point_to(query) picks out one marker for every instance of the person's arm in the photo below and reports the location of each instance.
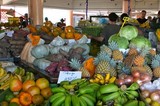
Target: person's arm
(98, 38)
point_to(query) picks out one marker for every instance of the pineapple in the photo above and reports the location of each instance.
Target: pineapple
(116, 54)
(123, 69)
(133, 50)
(148, 70)
(106, 49)
(139, 68)
(75, 64)
(105, 64)
(156, 65)
(140, 58)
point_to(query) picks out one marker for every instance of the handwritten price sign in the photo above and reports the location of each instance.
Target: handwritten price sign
(69, 75)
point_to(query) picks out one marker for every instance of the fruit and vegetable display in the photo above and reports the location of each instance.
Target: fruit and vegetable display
(123, 73)
(30, 92)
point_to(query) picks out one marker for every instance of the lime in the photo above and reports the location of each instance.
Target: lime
(13, 104)
(9, 96)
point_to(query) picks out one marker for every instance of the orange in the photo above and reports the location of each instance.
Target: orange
(28, 84)
(42, 83)
(15, 85)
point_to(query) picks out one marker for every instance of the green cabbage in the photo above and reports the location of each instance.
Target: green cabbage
(140, 42)
(121, 41)
(129, 32)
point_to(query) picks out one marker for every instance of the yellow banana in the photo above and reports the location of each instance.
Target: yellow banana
(107, 77)
(112, 79)
(91, 80)
(2, 72)
(99, 76)
(96, 80)
(16, 76)
(102, 81)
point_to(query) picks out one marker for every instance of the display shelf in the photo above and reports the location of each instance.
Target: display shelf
(38, 72)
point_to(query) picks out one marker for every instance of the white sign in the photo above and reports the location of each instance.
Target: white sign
(69, 75)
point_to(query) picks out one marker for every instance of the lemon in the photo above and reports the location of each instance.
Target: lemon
(154, 103)
(148, 100)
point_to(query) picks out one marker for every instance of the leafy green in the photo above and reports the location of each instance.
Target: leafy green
(140, 42)
(121, 41)
(129, 32)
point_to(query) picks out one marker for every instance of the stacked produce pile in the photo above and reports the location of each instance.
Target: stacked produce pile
(31, 92)
(18, 41)
(10, 72)
(5, 51)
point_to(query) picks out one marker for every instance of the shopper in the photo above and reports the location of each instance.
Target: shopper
(142, 19)
(108, 30)
(22, 23)
(61, 24)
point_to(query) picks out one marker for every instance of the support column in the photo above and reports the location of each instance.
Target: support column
(127, 6)
(35, 8)
(71, 17)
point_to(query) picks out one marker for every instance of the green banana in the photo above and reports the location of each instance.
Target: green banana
(64, 82)
(55, 96)
(130, 96)
(110, 96)
(82, 102)
(59, 101)
(76, 81)
(134, 93)
(141, 103)
(109, 88)
(84, 84)
(131, 103)
(95, 86)
(75, 100)
(98, 94)
(58, 89)
(68, 100)
(69, 86)
(90, 97)
(86, 90)
(133, 86)
(87, 100)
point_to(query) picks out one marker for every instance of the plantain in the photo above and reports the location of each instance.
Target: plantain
(111, 96)
(134, 93)
(69, 86)
(76, 81)
(92, 98)
(109, 88)
(58, 89)
(88, 101)
(86, 90)
(64, 82)
(55, 96)
(68, 100)
(58, 101)
(83, 84)
(75, 100)
(82, 102)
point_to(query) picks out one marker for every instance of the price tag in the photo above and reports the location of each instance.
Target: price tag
(69, 75)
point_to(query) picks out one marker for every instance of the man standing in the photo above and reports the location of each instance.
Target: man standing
(142, 19)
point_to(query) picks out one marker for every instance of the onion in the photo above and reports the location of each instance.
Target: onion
(119, 82)
(128, 79)
(145, 77)
(145, 93)
(136, 73)
(154, 96)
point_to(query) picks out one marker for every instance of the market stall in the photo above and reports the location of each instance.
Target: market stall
(57, 67)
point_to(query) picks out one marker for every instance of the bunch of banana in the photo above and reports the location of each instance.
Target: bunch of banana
(28, 76)
(84, 96)
(111, 93)
(20, 71)
(99, 78)
(4, 82)
(2, 72)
